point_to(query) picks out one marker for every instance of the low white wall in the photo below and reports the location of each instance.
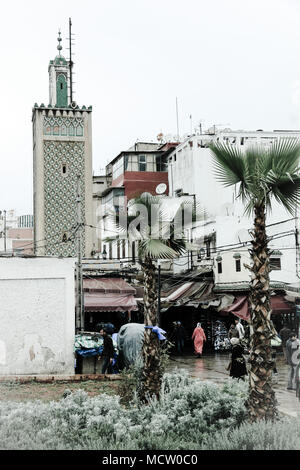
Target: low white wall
(37, 316)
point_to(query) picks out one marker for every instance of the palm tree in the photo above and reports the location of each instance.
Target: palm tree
(168, 243)
(263, 174)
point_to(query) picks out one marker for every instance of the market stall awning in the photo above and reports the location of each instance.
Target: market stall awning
(280, 305)
(97, 302)
(190, 294)
(179, 292)
(107, 285)
(240, 306)
(108, 295)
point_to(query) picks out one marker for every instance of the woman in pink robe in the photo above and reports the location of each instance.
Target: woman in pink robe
(198, 337)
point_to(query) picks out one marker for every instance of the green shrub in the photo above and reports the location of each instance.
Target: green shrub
(281, 435)
(130, 385)
(190, 415)
(189, 410)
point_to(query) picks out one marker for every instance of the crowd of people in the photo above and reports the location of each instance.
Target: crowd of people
(239, 337)
(286, 338)
(178, 336)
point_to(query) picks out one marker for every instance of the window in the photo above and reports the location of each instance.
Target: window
(126, 161)
(118, 249)
(64, 169)
(201, 254)
(118, 168)
(160, 164)
(207, 243)
(220, 267)
(123, 249)
(238, 265)
(133, 252)
(65, 237)
(142, 163)
(275, 264)
(110, 250)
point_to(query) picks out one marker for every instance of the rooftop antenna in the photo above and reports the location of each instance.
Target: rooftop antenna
(71, 63)
(191, 122)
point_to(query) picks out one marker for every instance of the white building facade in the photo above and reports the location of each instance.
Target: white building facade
(224, 232)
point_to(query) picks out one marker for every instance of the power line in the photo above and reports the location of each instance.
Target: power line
(214, 249)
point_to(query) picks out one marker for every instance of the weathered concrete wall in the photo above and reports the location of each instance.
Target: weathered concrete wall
(37, 306)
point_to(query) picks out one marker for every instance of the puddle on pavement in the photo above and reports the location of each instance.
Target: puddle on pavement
(213, 367)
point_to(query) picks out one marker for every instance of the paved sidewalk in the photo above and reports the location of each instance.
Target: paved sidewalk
(213, 368)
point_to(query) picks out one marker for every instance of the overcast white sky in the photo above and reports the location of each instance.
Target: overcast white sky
(231, 62)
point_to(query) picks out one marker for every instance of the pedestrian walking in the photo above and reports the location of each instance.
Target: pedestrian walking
(107, 353)
(284, 334)
(275, 343)
(233, 332)
(237, 366)
(240, 329)
(198, 337)
(293, 358)
(179, 335)
(297, 380)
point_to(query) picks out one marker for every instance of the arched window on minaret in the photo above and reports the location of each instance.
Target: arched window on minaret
(61, 91)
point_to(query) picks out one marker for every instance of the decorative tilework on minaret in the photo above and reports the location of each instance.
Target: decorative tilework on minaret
(62, 150)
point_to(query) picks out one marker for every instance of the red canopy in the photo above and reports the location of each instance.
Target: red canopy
(107, 285)
(239, 307)
(97, 302)
(104, 295)
(241, 310)
(280, 305)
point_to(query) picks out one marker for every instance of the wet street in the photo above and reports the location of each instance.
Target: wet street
(213, 368)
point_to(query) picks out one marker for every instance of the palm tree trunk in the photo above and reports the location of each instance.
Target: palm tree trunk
(152, 374)
(262, 401)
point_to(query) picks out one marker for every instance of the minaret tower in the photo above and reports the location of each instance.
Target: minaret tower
(62, 152)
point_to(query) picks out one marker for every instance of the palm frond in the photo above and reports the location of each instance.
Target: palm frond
(287, 192)
(283, 156)
(263, 173)
(155, 249)
(228, 161)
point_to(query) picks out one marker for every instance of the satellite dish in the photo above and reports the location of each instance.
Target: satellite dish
(161, 188)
